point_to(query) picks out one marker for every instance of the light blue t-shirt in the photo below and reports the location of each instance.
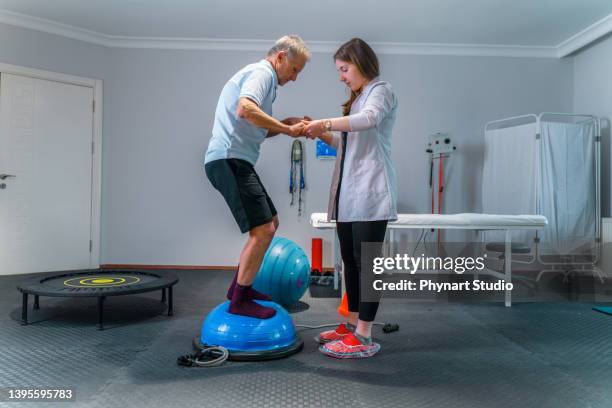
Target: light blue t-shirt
(233, 137)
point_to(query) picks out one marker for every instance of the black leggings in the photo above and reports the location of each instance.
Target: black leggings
(351, 235)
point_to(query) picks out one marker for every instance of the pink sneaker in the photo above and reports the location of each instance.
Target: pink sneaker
(338, 333)
(349, 347)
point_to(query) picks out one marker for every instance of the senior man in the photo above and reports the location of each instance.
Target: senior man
(243, 120)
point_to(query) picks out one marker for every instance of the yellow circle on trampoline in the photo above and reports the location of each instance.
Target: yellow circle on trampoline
(101, 281)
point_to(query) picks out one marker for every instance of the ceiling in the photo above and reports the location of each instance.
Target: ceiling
(524, 23)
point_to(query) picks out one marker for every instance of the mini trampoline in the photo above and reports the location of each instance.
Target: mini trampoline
(96, 283)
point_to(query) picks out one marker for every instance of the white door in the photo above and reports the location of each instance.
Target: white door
(46, 130)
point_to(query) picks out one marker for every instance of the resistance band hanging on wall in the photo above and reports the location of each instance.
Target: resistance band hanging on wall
(297, 160)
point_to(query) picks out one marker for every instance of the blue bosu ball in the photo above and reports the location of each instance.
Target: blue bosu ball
(284, 272)
(249, 338)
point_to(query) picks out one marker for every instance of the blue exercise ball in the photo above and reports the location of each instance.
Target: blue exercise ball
(284, 272)
(248, 336)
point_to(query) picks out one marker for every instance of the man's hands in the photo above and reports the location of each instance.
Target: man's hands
(314, 129)
(293, 120)
(311, 129)
(296, 130)
(297, 126)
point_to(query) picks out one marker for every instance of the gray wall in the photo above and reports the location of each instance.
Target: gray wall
(159, 209)
(593, 95)
(33, 49)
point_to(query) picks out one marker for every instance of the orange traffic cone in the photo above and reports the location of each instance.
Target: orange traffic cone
(343, 308)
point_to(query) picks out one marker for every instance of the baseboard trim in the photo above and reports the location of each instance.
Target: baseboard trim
(157, 267)
(178, 267)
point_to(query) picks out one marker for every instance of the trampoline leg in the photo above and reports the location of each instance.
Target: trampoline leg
(24, 309)
(36, 304)
(163, 295)
(100, 312)
(170, 312)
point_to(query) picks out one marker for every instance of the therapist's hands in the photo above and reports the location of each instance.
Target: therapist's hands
(314, 129)
(296, 125)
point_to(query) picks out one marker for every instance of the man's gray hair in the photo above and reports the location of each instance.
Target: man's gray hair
(293, 45)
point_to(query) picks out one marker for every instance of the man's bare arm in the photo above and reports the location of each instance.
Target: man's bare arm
(249, 111)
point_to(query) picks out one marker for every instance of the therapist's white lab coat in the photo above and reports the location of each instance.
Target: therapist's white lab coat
(368, 191)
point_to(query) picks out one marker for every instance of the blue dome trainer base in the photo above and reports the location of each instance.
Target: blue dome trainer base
(248, 338)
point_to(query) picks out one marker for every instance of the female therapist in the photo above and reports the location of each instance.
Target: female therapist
(363, 191)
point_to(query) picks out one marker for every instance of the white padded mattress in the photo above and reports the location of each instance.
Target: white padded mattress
(452, 221)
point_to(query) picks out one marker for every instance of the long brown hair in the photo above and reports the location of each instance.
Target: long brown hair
(359, 53)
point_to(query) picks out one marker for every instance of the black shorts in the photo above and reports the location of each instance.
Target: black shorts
(243, 191)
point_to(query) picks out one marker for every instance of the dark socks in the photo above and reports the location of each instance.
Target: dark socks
(243, 304)
(254, 294)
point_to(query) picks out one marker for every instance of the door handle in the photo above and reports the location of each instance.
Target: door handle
(5, 176)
